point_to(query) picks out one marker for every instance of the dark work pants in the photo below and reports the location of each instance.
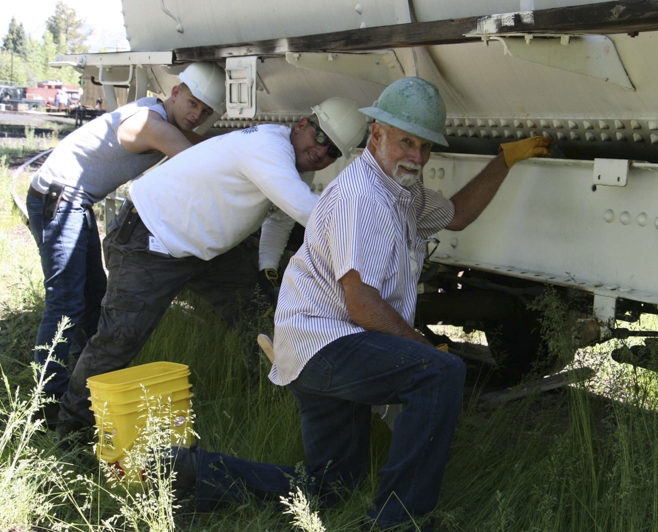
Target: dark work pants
(141, 286)
(335, 392)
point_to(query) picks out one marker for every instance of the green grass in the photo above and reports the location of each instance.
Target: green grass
(581, 459)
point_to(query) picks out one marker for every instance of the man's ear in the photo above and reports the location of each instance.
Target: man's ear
(175, 92)
(376, 134)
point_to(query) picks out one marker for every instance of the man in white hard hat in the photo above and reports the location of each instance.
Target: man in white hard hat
(344, 339)
(184, 224)
(87, 165)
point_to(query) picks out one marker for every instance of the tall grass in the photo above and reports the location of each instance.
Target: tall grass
(581, 459)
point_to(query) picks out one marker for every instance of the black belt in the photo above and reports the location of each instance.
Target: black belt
(34, 192)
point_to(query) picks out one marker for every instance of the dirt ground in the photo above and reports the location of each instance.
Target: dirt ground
(13, 124)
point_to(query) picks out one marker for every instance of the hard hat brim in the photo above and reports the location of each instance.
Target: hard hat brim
(414, 129)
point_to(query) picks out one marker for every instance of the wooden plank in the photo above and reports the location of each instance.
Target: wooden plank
(629, 16)
(542, 385)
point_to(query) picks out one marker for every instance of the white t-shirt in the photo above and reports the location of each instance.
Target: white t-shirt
(210, 197)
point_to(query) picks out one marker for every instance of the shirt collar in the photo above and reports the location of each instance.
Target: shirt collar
(392, 186)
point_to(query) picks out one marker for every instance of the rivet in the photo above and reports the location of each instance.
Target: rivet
(605, 137)
(621, 137)
(656, 223)
(625, 218)
(587, 125)
(454, 242)
(461, 133)
(495, 134)
(654, 138)
(484, 134)
(574, 136)
(653, 125)
(520, 135)
(358, 8)
(363, 25)
(547, 135)
(440, 173)
(492, 123)
(589, 136)
(508, 134)
(637, 137)
(544, 124)
(431, 173)
(625, 289)
(504, 123)
(534, 134)
(619, 124)
(557, 124)
(481, 123)
(517, 123)
(609, 216)
(472, 133)
(561, 136)
(531, 124)
(572, 125)
(458, 122)
(611, 287)
(635, 124)
(603, 125)
(468, 123)
(448, 124)
(642, 219)
(450, 132)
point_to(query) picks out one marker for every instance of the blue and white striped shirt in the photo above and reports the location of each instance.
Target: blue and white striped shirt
(364, 221)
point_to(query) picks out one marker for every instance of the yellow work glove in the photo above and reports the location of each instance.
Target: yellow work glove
(526, 148)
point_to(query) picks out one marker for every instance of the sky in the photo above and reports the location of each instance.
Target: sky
(104, 17)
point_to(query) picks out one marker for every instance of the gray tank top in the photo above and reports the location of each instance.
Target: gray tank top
(91, 162)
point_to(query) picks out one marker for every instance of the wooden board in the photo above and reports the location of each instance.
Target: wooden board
(630, 16)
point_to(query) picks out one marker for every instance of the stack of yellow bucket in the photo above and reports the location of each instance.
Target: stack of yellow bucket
(120, 406)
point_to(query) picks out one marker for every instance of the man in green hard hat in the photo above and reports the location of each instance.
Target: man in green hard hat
(344, 339)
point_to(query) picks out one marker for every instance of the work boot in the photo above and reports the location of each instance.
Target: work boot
(183, 461)
(49, 414)
(72, 432)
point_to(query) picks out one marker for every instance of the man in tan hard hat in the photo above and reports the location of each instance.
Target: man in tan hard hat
(184, 225)
(85, 167)
(344, 339)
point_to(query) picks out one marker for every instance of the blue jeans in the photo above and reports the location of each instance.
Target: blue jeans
(335, 392)
(74, 280)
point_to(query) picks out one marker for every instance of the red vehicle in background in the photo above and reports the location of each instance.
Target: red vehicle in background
(47, 91)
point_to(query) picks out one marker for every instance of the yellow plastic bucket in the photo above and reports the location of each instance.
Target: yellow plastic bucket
(120, 406)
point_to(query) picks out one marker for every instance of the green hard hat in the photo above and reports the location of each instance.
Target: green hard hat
(412, 105)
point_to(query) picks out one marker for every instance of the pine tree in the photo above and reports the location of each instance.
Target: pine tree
(67, 29)
(15, 41)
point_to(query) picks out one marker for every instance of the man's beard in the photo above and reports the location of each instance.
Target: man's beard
(399, 176)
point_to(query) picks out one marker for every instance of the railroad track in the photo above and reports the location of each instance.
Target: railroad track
(19, 199)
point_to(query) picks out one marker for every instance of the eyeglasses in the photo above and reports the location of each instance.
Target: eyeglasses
(323, 140)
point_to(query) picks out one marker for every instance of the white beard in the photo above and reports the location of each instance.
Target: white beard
(404, 179)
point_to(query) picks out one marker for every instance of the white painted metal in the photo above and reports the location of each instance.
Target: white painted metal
(235, 21)
(380, 67)
(611, 172)
(241, 87)
(547, 223)
(590, 55)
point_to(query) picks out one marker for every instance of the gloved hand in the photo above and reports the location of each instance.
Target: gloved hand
(268, 280)
(526, 148)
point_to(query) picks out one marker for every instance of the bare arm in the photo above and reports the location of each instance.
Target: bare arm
(193, 137)
(474, 197)
(147, 132)
(367, 309)
(471, 200)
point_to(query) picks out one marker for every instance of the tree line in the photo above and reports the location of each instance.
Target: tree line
(24, 60)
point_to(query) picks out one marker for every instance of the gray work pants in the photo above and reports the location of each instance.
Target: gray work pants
(141, 286)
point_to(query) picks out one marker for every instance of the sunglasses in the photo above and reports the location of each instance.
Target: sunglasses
(323, 140)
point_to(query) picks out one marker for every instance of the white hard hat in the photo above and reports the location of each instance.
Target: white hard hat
(207, 82)
(340, 119)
